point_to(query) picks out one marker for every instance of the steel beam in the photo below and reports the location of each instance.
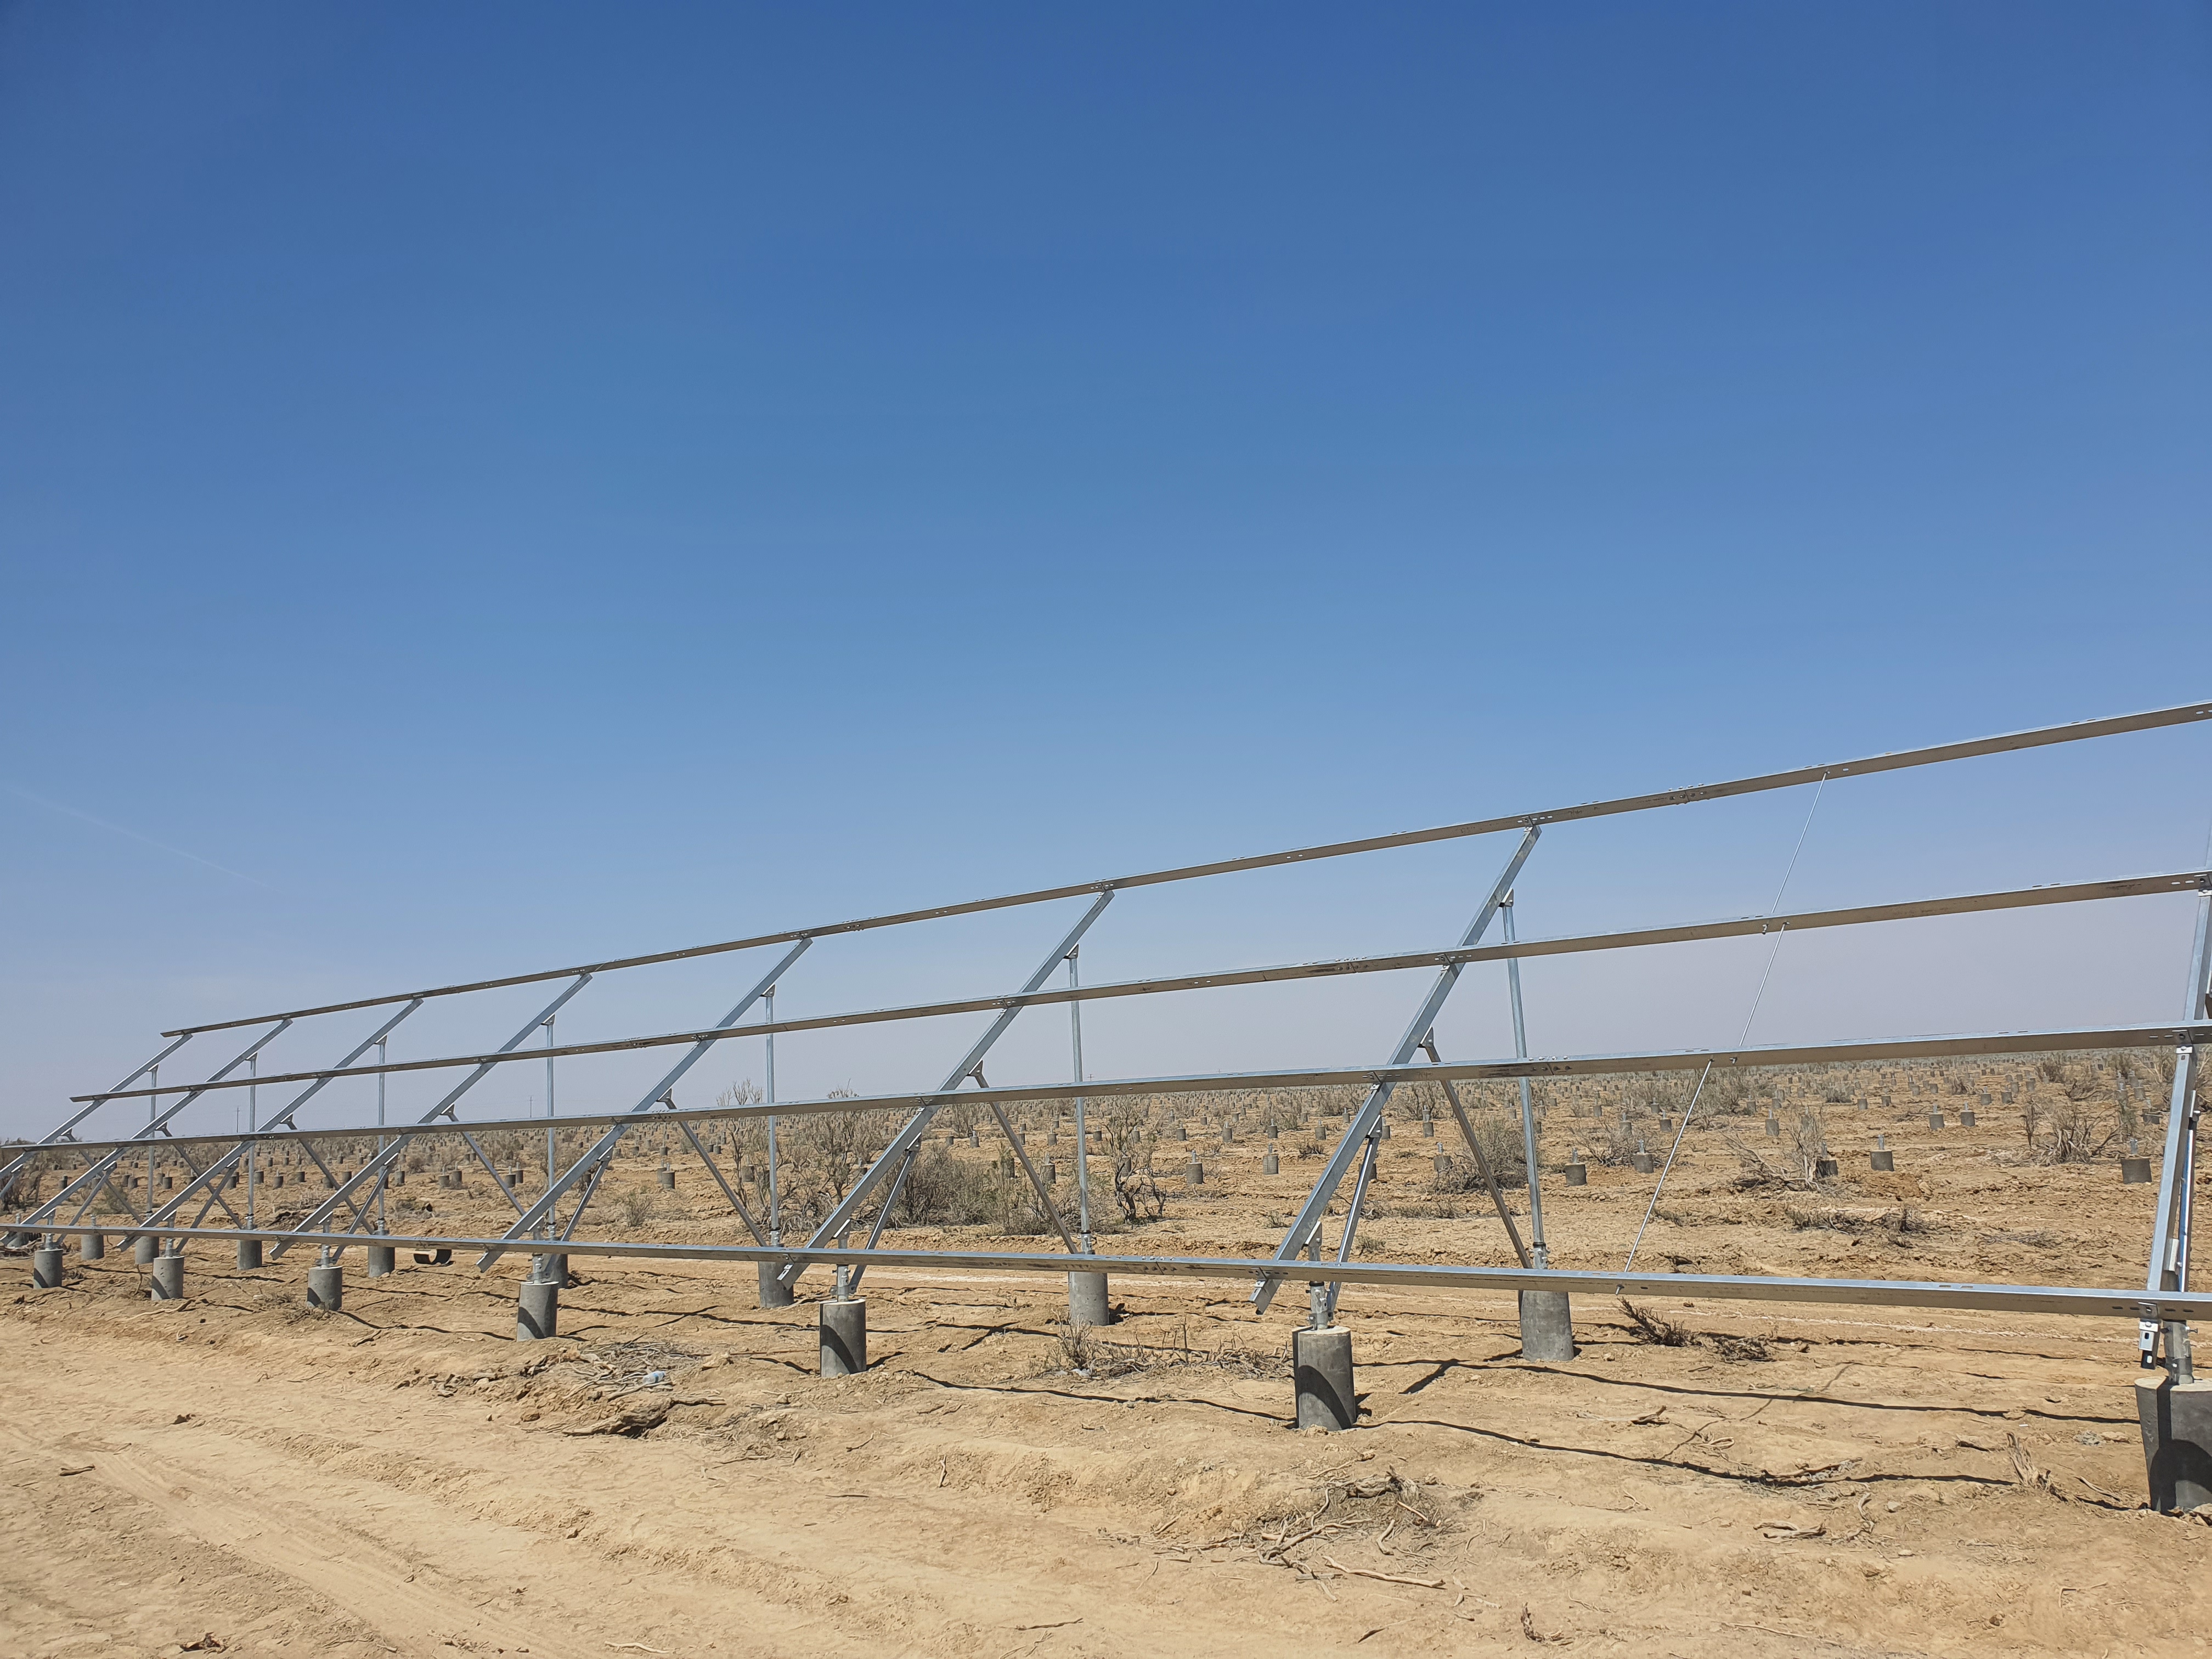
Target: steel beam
(2167, 884)
(2098, 1302)
(2061, 1040)
(2040, 737)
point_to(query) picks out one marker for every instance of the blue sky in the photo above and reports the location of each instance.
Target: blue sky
(491, 487)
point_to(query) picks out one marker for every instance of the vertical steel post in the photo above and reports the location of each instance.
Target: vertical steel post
(551, 1154)
(775, 1177)
(252, 1127)
(383, 1056)
(153, 1115)
(2169, 1258)
(1082, 1127)
(1538, 1256)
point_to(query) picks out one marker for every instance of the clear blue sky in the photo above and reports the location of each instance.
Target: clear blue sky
(485, 487)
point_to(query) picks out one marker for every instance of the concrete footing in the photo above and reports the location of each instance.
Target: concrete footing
(1321, 1367)
(1193, 1173)
(91, 1247)
(1576, 1174)
(1547, 1325)
(249, 1252)
(382, 1258)
(774, 1293)
(2134, 1171)
(145, 1248)
(1966, 1118)
(668, 1178)
(1087, 1300)
(1881, 1161)
(1642, 1163)
(326, 1287)
(538, 1309)
(2176, 1436)
(46, 1267)
(165, 1280)
(1272, 1164)
(845, 1337)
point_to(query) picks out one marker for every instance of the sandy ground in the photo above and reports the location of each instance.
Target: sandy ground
(405, 1477)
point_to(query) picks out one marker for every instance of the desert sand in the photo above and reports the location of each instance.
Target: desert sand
(405, 1477)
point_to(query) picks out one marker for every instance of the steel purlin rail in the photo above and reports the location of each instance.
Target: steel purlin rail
(2040, 737)
(2162, 1034)
(2161, 885)
(2114, 1303)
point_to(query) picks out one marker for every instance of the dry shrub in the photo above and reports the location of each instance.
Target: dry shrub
(1899, 1222)
(1499, 1137)
(1651, 1328)
(1084, 1352)
(1805, 1136)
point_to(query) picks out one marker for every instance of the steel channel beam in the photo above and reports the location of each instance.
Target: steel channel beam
(2120, 1303)
(1856, 1051)
(550, 1199)
(1361, 1124)
(2040, 737)
(910, 1133)
(2167, 884)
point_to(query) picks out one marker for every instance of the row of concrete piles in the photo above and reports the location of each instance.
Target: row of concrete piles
(2175, 1413)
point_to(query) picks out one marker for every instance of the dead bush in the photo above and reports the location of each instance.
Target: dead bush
(1659, 1332)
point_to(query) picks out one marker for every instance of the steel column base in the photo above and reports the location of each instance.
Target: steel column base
(46, 1267)
(774, 1293)
(326, 1287)
(537, 1311)
(845, 1337)
(1087, 1300)
(1320, 1366)
(91, 1247)
(1547, 1325)
(167, 1281)
(2176, 1436)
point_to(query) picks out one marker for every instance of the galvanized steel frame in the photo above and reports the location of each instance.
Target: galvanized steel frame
(2164, 1302)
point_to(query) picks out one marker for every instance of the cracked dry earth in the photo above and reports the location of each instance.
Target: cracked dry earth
(405, 1477)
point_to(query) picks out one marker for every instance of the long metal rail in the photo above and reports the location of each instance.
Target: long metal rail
(2061, 1040)
(2097, 1302)
(2165, 884)
(2040, 737)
